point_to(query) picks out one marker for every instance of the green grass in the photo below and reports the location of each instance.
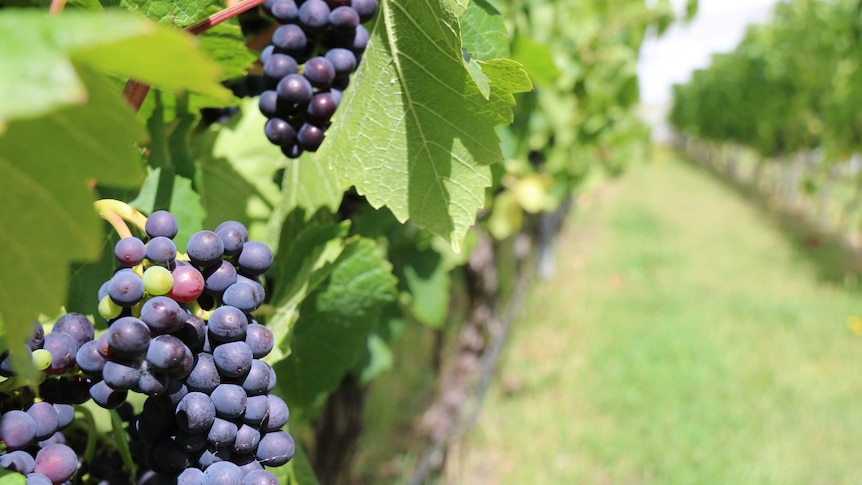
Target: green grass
(688, 337)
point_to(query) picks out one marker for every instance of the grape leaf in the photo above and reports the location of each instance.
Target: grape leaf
(537, 59)
(335, 321)
(48, 216)
(180, 13)
(225, 44)
(414, 132)
(37, 54)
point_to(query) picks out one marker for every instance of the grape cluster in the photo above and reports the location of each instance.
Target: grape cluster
(181, 331)
(318, 45)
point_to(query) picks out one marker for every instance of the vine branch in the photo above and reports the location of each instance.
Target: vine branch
(117, 213)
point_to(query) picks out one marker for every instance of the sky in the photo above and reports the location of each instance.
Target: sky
(718, 27)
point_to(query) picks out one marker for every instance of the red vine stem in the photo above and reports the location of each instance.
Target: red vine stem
(136, 92)
(56, 7)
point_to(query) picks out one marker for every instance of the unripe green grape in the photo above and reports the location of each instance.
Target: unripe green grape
(108, 309)
(158, 280)
(41, 359)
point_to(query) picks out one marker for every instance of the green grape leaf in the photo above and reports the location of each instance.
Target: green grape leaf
(238, 167)
(414, 133)
(483, 32)
(309, 183)
(225, 44)
(48, 216)
(179, 13)
(423, 277)
(334, 322)
(537, 59)
(38, 55)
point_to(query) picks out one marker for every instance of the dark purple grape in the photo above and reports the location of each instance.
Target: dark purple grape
(128, 336)
(162, 315)
(275, 449)
(205, 248)
(161, 223)
(279, 132)
(257, 380)
(191, 442)
(18, 461)
(260, 339)
(38, 478)
(321, 107)
(284, 11)
(255, 258)
(231, 236)
(234, 225)
(343, 60)
(313, 15)
(166, 353)
(37, 337)
(185, 367)
(17, 429)
(319, 72)
(290, 39)
(212, 455)
(126, 288)
(57, 462)
(279, 65)
(150, 381)
(89, 359)
(192, 332)
(166, 457)
(204, 376)
(76, 325)
(161, 251)
(46, 419)
(229, 400)
(343, 18)
(294, 89)
(191, 476)
(65, 414)
(309, 137)
(119, 376)
(291, 151)
(129, 251)
(246, 461)
(256, 410)
(63, 348)
(260, 477)
(268, 104)
(244, 296)
(278, 413)
(227, 324)
(232, 359)
(365, 8)
(247, 439)
(223, 473)
(219, 277)
(106, 397)
(222, 433)
(195, 413)
(266, 53)
(360, 41)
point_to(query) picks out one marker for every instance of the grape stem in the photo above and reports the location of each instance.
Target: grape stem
(90, 450)
(117, 213)
(136, 92)
(56, 7)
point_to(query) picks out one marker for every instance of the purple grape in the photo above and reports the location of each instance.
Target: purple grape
(284, 11)
(166, 353)
(234, 225)
(365, 8)
(63, 348)
(279, 65)
(129, 251)
(344, 18)
(222, 433)
(192, 332)
(89, 359)
(119, 376)
(321, 107)
(161, 223)
(360, 41)
(260, 477)
(18, 461)
(65, 415)
(128, 336)
(77, 326)
(256, 410)
(310, 137)
(161, 251)
(227, 324)
(294, 89)
(195, 413)
(313, 15)
(106, 397)
(162, 315)
(246, 440)
(205, 248)
(319, 71)
(291, 151)
(191, 476)
(343, 60)
(46, 418)
(275, 449)
(278, 413)
(126, 288)
(232, 359)
(204, 376)
(223, 473)
(38, 478)
(290, 39)
(279, 132)
(256, 382)
(232, 236)
(17, 429)
(150, 381)
(255, 258)
(191, 442)
(229, 400)
(260, 339)
(266, 53)
(188, 283)
(244, 296)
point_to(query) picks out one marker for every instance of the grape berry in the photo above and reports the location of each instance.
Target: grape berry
(308, 66)
(180, 332)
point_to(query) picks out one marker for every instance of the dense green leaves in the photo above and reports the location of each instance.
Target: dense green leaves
(411, 137)
(334, 323)
(44, 49)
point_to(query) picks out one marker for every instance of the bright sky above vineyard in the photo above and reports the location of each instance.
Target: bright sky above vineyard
(718, 27)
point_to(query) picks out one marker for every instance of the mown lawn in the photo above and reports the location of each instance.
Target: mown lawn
(686, 338)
